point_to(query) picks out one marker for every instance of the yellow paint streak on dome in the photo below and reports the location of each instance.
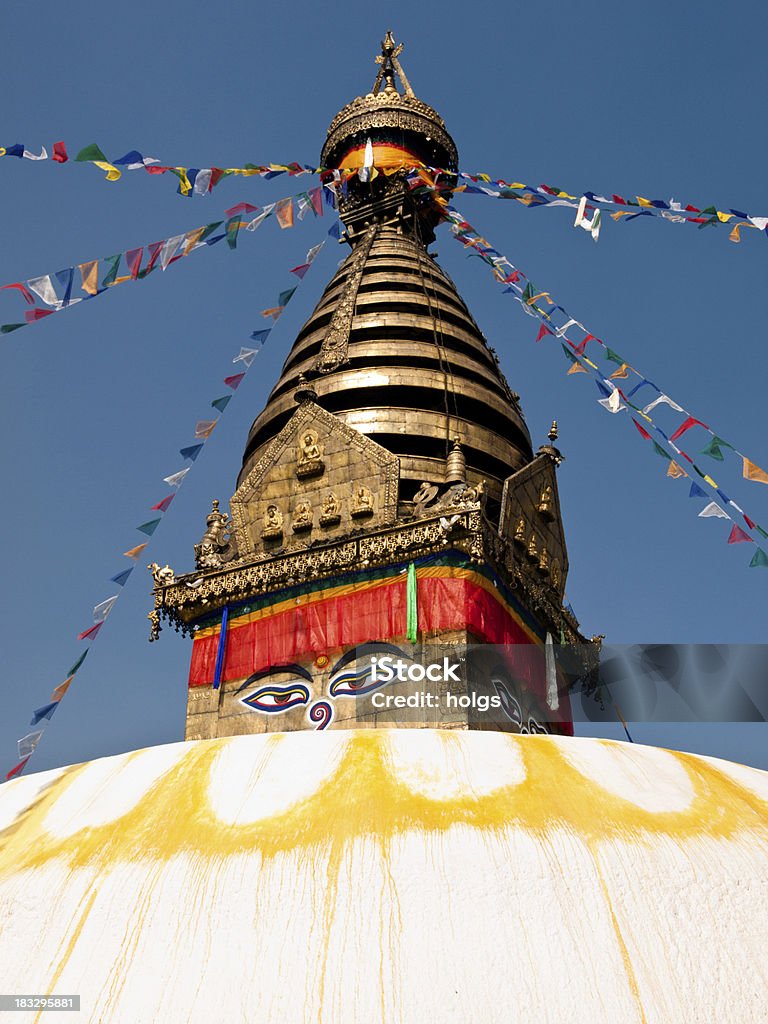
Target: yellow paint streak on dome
(364, 797)
(73, 939)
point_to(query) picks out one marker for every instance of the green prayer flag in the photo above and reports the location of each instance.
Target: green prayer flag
(759, 559)
(221, 403)
(91, 152)
(528, 293)
(285, 297)
(569, 354)
(78, 663)
(713, 449)
(412, 605)
(614, 358)
(112, 272)
(149, 528)
(209, 229)
(8, 328)
(660, 451)
(232, 228)
(761, 531)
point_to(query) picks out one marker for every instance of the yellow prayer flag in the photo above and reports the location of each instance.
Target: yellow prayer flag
(710, 481)
(621, 372)
(112, 172)
(576, 368)
(724, 217)
(619, 214)
(185, 186)
(644, 202)
(61, 689)
(191, 239)
(675, 471)
(590, 363)
(135, 553)
(89, 272)
(753, 472)
(284, 212)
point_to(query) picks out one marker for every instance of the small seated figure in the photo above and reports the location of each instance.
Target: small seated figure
(302, 517)
(331, 510)
(533, 553)
(545, 503)
(362, 503)
(309, 461)
(520, 532)
(273, 522)
(543, 566)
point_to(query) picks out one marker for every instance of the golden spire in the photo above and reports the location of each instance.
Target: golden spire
(389, 66)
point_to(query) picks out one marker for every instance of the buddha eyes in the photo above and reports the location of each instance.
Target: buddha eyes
(278, 698)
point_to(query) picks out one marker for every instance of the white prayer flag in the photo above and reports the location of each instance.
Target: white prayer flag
(246, 356)
(667, 401)
(713, 509)
(102, 610)
(28, 743)
(31, 156)
(260, 218)
(169, 249)
(175, 479)
(43, 286)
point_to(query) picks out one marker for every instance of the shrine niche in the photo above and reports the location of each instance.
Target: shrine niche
(530, 517)
(319, 479)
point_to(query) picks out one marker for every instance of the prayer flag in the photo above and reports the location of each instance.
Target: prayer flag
(696, 491)
(260, 336)
(736, 536)
(28, 743)
(260, 218)
(623, 371)
(221, 403)
(169, 249)
(667, 401)
(686, 425)
(90, 153)
(134, 553)
(713, 449)
(175, 479)
(713, 509)
(613, 404)
(335, 229)
(675, 471)
(77, 664)
(43, 286)
(9, 328)
(149, 527)
(162, 506)
(300, 271)
(28, 297)
(285, 297)
(234, 381)
(89, 634)
(62, 688)
(121, 578)
(246, 356)
(753, 472)
(89, 274)
(46, 711)
(643, 432)
(311, 253)
(231, 228)
(60, 153)
(133, 260)
(758, 559)
(284, 212)
(191, 452)
(17, 769)
(543, 331)
(275, 312)
(111, 275)
(240, 208)
(204, 428)
(103, 608)
(661, 451)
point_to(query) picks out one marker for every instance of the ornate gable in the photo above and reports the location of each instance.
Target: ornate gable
(530, 516)
(318, 480)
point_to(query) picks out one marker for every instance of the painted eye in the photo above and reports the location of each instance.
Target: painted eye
(277, 698)
(354, 682)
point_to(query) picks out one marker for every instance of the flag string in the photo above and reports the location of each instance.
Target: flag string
(28, 744)
(616, 399)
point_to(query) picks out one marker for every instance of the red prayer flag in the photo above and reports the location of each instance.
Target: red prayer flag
(37, 314)
(301, 270)
(643, 432)
(234, 381)
(28, 296)
(690, 422)
(543, 331)
(18, 769)
(513, 278)
(618, 199)
(154, 252)
(580, 348)
(737, 535)
(89, 634)
(748, 521)
(240, 208)
(156, 169)
(216, 173)
(693, 209)
(316, 197)
(133, 259)
(60, 153)
(162, 506)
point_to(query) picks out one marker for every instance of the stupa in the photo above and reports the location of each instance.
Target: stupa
(302, 856)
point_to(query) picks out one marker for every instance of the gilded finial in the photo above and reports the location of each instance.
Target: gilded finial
(552, 435)
(389, 66)
(304, 391)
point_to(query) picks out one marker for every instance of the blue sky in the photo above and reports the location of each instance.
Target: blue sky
(660, 100)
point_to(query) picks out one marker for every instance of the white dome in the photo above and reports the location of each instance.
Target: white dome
(390, 876)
